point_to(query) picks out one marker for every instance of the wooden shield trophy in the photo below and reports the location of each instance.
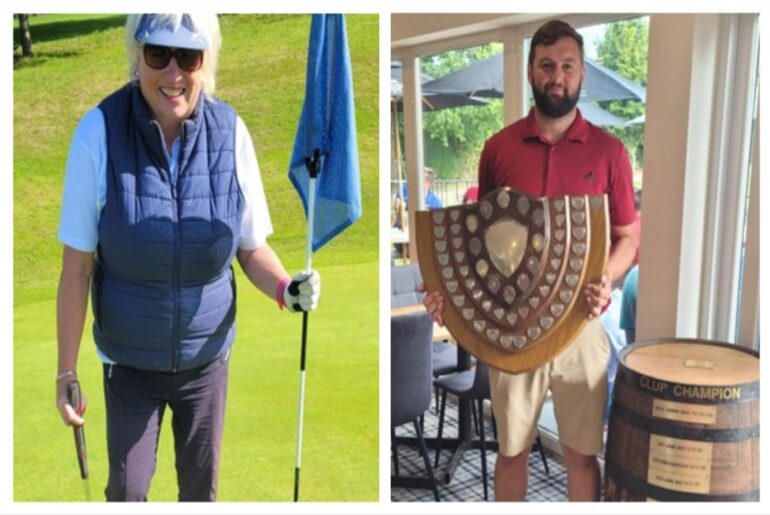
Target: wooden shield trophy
(512, 269)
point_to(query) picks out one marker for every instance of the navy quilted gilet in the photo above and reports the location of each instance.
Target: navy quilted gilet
(163, 291)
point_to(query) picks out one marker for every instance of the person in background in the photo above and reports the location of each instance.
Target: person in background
(471, 195)
(638, 221)
(631, 282)
(398, 226)
(432, 201)
(399, 213)
(616, 337)
(628, 309)
(619, 321)
(162, 192)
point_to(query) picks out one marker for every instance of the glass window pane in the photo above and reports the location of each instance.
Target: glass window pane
(399, 233)
(462, 107)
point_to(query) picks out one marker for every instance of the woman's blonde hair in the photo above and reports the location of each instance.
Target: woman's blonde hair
(205, 24)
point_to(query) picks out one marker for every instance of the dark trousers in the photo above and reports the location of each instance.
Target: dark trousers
(136, 401)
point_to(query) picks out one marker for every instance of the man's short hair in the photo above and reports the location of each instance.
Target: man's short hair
(550, 33)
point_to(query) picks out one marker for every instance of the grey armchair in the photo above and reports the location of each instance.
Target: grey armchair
(403, 292)
(403, 286)
(411, 380)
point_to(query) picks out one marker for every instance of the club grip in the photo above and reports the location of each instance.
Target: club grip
(75, 400)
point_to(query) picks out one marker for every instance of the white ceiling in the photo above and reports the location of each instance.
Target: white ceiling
(410, 29)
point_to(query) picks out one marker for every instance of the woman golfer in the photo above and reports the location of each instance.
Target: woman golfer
(162, 191)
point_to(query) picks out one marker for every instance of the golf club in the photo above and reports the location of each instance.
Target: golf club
(75, 400)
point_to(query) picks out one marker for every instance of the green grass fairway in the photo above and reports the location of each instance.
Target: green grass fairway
(340, 439)
(79, 60)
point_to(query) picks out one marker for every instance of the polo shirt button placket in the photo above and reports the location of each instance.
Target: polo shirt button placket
(551, 173)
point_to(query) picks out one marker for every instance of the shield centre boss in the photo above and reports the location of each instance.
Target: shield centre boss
(512, 269)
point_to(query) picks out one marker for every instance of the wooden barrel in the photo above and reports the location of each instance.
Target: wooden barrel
(684, 423)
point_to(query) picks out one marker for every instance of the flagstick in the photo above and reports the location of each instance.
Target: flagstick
(312, 166)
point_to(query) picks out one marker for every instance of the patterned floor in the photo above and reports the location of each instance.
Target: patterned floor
(466, 484)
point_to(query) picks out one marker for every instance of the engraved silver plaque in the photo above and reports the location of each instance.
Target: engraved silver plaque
(537, 242)
(474, 245)
(503, 200)
(506, 242)
(486, 209)
(482, 267)
(472, 223)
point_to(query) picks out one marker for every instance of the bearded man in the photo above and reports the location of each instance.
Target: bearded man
(555, 151)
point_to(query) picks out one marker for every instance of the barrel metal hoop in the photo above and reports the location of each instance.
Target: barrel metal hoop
(640, 488)
(654, 426)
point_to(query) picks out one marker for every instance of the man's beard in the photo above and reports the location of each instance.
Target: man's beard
(555, 107)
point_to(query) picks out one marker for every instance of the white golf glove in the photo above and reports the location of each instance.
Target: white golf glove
(302, 292)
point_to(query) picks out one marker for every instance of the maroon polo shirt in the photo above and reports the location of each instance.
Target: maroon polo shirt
(585, 161)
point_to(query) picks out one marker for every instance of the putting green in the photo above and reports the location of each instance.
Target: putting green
(340, 451)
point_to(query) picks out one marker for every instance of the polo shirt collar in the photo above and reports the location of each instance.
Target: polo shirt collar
(578, 131)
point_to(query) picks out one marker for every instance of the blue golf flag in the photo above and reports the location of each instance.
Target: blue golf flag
(327, 129)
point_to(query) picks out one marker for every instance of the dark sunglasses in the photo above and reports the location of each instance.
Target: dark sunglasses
(158, 57)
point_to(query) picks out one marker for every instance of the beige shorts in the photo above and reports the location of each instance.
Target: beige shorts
(577, 379)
